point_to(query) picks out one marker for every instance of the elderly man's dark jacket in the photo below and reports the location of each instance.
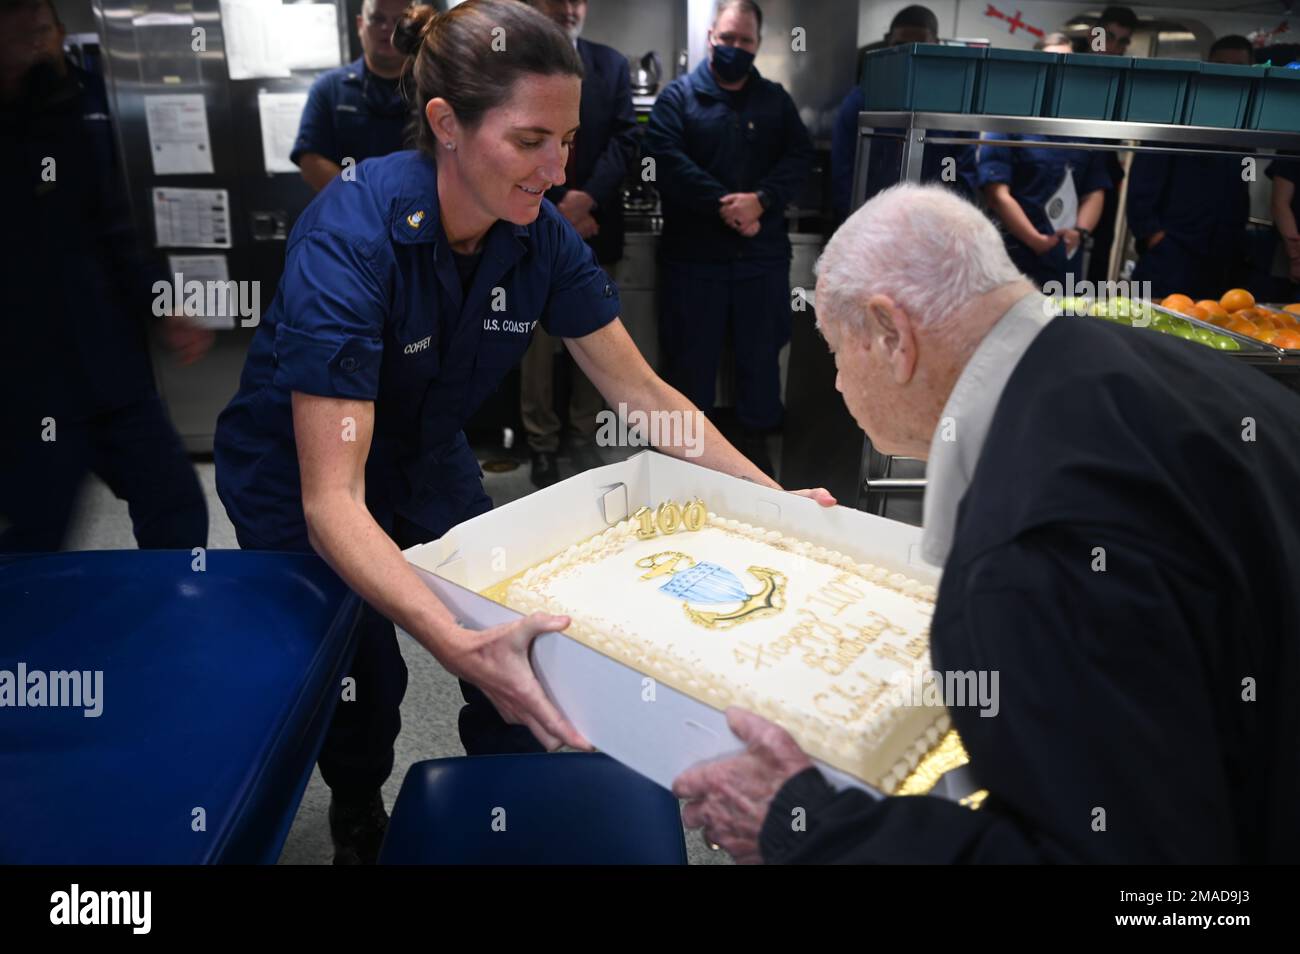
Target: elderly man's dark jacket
(1148, 703)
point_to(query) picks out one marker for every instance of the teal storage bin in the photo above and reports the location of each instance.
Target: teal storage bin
(1155, 90)
(1219, 95)
(1012, 82)
(921, 77)
(1086, 86)
(1276, 104)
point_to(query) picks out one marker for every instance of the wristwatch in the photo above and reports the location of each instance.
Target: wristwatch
(1085, 236)
(764, 199)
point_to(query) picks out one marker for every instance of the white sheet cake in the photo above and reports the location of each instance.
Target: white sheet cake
(733, 614)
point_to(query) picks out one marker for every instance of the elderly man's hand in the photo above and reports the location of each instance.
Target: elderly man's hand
(730, 798)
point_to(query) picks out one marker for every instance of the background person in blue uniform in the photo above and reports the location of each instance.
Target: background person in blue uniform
(1164, 689)
(1285, 202)
(915, 24)
(1020, 184)
(1189, 213)
(355, 111)
(592, 200)
(77, 393)
(730, 153)
(346, 434)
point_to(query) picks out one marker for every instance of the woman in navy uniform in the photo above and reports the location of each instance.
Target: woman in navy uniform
(407, 295)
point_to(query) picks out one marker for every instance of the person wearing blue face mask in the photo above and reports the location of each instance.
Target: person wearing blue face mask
(730, 153)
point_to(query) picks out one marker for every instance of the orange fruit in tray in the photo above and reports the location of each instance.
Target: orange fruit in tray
(1236, 299)
(1178, 303)
(1197, 312)
(1294, 309)
(1271, 319)
(1212, 307)
(1242, 326)
(1289, 339)
(1266, 335)
(1246, 313)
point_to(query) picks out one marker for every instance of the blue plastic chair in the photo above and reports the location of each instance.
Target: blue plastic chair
(217, 689)
(574, 808)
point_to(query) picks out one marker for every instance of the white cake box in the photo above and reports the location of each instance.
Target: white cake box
(604, 698)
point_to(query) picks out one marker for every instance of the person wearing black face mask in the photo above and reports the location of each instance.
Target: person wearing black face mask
(730, 153)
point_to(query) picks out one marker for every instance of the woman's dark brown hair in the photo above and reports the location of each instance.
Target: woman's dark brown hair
(472, 55)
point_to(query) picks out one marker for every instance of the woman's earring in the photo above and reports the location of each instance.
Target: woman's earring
(451, 146)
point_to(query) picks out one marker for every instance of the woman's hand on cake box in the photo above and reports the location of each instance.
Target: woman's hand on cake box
(496, 660)
(730, 798)
(819, 494)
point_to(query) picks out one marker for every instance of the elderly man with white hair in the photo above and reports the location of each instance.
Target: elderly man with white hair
(1117, 515)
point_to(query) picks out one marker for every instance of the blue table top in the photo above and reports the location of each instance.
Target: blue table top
(217, 687)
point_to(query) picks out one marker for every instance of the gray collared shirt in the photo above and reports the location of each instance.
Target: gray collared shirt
(964, 425)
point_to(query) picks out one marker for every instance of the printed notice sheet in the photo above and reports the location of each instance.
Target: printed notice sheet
(191, 218)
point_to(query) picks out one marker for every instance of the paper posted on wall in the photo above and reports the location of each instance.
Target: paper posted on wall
(280, 114)
(191, 218)
(178, 134)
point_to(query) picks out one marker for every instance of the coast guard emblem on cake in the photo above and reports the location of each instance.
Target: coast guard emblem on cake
(713, 583)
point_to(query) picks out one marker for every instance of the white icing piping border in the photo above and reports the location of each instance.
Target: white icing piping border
(835, 745)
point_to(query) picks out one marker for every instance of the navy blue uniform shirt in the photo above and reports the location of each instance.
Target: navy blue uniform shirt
(1203, 206)
(1201, 200)
(371, 307)
(706, 143)
(1034, 174)
(606, 143)
(353, 113)
(1288, 168)
(887, 157)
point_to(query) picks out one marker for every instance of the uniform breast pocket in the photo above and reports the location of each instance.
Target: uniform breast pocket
(352, 129)
(409, 372)
(499, 351)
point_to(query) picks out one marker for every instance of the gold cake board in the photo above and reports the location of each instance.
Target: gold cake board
(947, 754)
